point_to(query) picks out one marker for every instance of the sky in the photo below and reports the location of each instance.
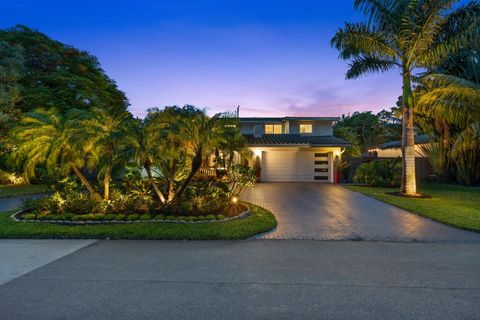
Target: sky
(271, 57)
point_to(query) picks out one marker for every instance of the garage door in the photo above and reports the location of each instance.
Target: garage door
(295, 166)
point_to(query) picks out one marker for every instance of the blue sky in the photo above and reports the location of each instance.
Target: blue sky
(269, 57)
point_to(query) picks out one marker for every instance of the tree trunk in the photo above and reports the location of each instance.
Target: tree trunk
(84, 180)
(106, 183)
(155, 186)
(196, 165)
(409, 184)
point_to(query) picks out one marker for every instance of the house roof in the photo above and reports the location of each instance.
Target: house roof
(419, 139)
(295, 140)
(282, 119)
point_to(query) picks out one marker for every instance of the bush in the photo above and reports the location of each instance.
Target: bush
(68, 216)
(160, 217)
(109, 217)
(119, 217)
(29, 216)
(210, 217)
(379, 173)
(172, 218)
(145, 217)
(77, 218)
(10, 178)
(220, 217)
(192, 218)
(133, 217)
(201, 218)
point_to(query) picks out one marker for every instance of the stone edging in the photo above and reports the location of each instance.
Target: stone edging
(242, 215)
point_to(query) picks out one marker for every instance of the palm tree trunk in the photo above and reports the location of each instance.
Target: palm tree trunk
(196, 165)
(409, 184)
(155, 186)
(106, 183)
(84, 180)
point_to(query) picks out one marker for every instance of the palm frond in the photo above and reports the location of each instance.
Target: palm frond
(369, 64)
(357, 39)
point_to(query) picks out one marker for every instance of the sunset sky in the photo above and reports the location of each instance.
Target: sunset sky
(273, 58)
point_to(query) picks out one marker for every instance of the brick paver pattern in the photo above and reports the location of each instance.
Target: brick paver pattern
(324, 211)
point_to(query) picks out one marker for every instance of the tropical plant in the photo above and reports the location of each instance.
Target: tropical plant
(379, 173)
(107, 140)
(450, 95)
(405, 35)
(47, 137)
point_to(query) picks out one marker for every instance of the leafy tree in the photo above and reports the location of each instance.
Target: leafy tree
(59, 75)
(47, 137)
(405, 35)
(12, 71)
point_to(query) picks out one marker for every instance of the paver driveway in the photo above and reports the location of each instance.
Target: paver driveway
(332, 212)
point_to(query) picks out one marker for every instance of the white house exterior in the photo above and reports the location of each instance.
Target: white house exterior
(294, 148)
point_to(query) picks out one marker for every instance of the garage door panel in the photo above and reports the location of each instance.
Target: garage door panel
(295, 166)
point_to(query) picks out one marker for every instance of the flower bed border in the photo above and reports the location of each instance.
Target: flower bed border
(242, 215)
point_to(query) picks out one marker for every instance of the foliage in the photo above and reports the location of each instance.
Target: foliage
(405, 35)
(379, 173)
(448, 98)
(240, 177)
(10, 178)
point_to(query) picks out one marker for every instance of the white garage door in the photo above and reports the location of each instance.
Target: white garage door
(295, 166)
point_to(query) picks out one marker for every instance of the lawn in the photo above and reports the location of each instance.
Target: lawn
(260, 221)
(20, 190)
(453, 205)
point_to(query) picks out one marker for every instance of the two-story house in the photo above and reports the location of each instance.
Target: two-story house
(294, 148)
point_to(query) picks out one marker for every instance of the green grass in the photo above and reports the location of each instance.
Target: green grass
(457, 206)
(260, 221)
(20, 190)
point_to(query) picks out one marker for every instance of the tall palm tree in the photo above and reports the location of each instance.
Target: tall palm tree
(109, 136)
(47, 137)
(405, 35)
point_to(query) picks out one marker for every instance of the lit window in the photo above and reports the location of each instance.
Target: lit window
(273, 129)
(305, 128)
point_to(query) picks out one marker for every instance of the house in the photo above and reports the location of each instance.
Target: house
(294, 148)
(393, 149)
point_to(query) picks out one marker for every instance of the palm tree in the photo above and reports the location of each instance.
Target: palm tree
(108, 140)
(47, 137)
(451, 92)
(405, 35)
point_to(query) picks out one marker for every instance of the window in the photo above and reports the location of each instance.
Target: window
(321, 162)
(306, 128)
(321, 170)
(273, 129)
(321, 178)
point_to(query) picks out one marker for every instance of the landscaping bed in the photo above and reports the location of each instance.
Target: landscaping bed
(236, 211)
(258, 221)
(454, 205)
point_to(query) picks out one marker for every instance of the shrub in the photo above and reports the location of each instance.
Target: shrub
(68, 216)
(210, 217)
(99, 217)
(160, 217)
(10, 178)
(201, 218)
(170, 218)
(192, 218)
(220, 217)
(30, 216)
(145, 217)
(88, 217)
(119, 217)
(109, 217)
(132, 217)
(77, 218)
(379, 173)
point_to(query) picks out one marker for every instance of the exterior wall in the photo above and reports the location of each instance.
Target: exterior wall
(319, 128)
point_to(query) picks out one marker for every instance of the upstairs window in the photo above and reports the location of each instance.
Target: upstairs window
(306, 128)
(273, 129)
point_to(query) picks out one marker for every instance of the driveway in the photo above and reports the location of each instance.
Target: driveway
(323, 211)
